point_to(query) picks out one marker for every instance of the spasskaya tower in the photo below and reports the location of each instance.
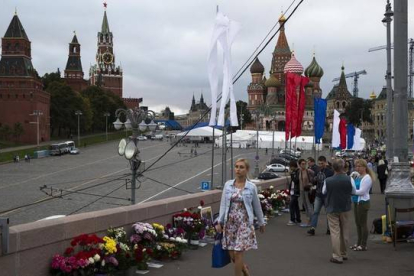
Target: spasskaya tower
(105, 73)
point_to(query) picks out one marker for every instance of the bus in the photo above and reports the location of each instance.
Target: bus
(70, 145)
(55, 149)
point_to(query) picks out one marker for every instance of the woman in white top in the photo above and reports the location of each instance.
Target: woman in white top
(361, 201)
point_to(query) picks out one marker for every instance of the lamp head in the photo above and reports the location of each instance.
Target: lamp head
(118, 124)
(128, 124)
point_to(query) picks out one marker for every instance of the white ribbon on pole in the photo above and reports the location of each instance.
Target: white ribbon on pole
(336, 138)
(224, 33)
(357, 140)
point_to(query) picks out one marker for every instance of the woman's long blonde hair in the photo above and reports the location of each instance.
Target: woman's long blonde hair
(363, 163)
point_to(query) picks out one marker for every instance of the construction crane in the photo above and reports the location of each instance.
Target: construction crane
(410, 63)
(354, 75)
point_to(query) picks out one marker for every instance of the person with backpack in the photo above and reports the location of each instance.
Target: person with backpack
(324, 172)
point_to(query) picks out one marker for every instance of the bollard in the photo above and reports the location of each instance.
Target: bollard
(4, 225)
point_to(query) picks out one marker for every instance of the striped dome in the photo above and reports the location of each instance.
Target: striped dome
(314, 70)
(293, 66)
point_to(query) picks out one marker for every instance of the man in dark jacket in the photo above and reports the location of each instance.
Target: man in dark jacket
(338, 190)
(294, 191)
(324, 172)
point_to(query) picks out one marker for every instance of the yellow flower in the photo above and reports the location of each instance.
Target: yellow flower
(110, 245)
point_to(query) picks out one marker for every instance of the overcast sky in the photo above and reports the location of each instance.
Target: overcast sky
(162, 45)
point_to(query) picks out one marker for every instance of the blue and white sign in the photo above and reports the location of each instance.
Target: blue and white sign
(205, 185)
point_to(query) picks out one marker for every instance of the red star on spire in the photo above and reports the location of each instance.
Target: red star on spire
(105, 4)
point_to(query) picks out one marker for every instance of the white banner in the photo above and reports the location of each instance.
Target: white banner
(224, 33)
(336, 138)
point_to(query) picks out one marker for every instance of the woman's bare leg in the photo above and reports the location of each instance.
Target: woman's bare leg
(238, 263)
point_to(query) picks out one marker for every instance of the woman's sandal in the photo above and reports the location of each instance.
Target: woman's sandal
(245, 270)
(360, 248)
(353, 246)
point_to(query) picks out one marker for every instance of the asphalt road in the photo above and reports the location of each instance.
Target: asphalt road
(96, 179)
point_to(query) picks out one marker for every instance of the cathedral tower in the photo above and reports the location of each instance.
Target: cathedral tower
(73, 71)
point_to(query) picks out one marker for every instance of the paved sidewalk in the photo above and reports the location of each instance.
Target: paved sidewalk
(288, 250)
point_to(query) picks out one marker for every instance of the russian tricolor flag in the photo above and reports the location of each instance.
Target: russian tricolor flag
(345, 136)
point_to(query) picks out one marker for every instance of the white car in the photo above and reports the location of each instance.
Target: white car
(291, 152)
(277, 168)
(74, 151)
(142, 138)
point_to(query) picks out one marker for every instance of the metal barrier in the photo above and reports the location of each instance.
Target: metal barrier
(4, 225)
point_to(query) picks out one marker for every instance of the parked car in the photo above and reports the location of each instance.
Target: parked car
(277, 168)
(292, 152)
(74, 151)
(280, 160)
(157, 137)
(142, 138)
(288, 156)
(267, 175)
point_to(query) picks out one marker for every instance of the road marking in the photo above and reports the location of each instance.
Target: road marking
(184, 181)
(63, 170)
(49, 198)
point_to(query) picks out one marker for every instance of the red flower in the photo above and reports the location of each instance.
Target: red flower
(201, 203)
(69, 250)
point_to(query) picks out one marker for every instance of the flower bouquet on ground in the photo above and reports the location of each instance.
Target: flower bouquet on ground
(266, 205)
(123, 254)
(191, 223)
(142, 256)
(83, 257)
(144, 234)
(278, 200)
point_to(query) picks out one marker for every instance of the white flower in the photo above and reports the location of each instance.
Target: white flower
(199, 207)
(165, 236)
(261, 196)
(91, 261)
(143, 250)
(173, 239)
(271, 187)
(185, 210)
(96, 257)
(103, 263)
(158, 247)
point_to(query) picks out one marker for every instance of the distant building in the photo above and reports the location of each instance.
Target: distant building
(197, 110)
(73, 71)
(21, 90)
(271, 92)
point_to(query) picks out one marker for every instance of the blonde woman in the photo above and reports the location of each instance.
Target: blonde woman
(361, 202)
(239, 205)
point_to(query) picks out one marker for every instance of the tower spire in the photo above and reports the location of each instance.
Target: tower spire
(105, 24)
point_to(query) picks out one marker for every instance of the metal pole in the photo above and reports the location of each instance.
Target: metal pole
(231, 153)
(78, 130)
(256, 168)
(273, 142)
(225, 153)
(400, 79)
(106, 127)
(389, 118)
(37, 120)
(212, 161)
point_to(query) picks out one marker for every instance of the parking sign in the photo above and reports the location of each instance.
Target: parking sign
(205, 185)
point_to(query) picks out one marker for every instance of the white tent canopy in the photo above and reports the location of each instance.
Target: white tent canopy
(248, 138)
(198, 134)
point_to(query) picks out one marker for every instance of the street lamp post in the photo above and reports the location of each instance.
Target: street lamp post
(256, 167)
(78, 113)
(37, 113)
(106, 114)
(387, 22)
(136, 121)
(273, 136)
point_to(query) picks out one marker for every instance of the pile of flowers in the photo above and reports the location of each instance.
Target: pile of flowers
(279, 199)
(191, 223)
(84, 256)
(117, 244)
(273, 200)
(144, 234)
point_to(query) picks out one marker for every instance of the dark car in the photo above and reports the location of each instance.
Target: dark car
(288, 156)
(267, 175)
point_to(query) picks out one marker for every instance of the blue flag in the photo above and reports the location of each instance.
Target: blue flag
(319, 106)
(350, 131)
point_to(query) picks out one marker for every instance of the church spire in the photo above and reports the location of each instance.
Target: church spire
(105, 24)
(201, 98)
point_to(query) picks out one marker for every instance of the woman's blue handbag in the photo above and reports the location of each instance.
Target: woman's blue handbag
(220, 257)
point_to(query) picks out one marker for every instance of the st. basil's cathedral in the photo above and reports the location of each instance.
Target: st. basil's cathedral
(270, 93)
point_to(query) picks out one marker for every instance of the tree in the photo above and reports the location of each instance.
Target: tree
(102, 101)
(242, 111)
(358, 111)
(17, 131)
(48, 78)
(5, 132)
(63, 104)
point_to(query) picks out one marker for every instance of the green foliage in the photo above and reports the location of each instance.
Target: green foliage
(359, 111)
(242, 109)
(102, 101)
(17, 130)
(63, 105)
(5, 132)
(47, 79)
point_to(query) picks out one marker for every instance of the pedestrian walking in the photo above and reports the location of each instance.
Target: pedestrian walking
(294, 191)
(382, 172)
(324, 173)
(306, 177)
(361, 202)
(338, 190)
(312, 165)
(238, 207)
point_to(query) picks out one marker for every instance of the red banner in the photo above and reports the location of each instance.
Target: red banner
(295, 104)
(342, 133)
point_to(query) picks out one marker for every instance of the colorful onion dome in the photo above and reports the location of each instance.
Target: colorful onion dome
(293, 66)
(373, 96)
(272, 82)
(314, 70)
(257, 67)
(282, 18)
